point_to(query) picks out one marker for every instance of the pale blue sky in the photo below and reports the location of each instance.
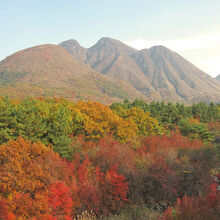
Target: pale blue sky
(190, 27)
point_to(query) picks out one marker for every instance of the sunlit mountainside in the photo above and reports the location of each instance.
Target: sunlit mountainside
(107, 71)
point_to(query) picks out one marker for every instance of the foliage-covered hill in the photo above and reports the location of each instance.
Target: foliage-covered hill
(158, 73)
(49, 70)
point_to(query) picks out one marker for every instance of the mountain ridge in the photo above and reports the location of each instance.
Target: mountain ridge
(116, 63)
(157, 72)
(109, 70)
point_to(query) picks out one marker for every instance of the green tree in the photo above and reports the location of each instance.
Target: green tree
(59, 131)
(29, 122)
(195, 130)
(7, 121)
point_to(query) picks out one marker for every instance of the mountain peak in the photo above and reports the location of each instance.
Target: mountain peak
(107, 39)
(160, 48)
(70, 42)
(107, 43)
(157, 72)
(75, 49)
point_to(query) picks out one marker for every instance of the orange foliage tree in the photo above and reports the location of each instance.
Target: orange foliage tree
(22, 177)
(26, 174)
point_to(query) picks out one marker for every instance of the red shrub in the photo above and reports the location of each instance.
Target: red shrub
(60, 199)
(191, 208)
(112, 152)
(88, 191)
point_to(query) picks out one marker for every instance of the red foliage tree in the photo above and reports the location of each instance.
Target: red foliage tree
(192, 208)
(114, 189)
(112, 152)
(88, 191)
(3, 210)
(60, 199)
(119, 185)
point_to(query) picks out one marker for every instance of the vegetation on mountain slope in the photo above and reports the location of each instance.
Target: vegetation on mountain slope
(48, 70)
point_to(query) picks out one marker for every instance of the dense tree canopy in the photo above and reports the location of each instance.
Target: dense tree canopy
(60, 159)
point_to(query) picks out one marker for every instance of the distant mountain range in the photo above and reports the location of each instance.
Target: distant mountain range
(108, 71)
(218, 77)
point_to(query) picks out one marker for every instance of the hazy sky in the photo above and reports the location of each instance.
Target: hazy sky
(189, 27)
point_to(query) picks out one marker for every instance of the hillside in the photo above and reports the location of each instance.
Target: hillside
(108, 71)
(158, 73)
(49, 70)
(112, 58)
(173, 76)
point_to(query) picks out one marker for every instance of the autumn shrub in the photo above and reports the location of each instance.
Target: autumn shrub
(110, 152)
(59, 197)
(26, 174)
(88, 192)
(164, 172)
(194, 170)
(102, 191)
(196, 208)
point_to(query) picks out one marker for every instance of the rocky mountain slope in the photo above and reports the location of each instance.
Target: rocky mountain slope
(157, 73)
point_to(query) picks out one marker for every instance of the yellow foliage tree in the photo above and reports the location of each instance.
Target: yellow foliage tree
(93, 119)
(126, 130)
(146, 124)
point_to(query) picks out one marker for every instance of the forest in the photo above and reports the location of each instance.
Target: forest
(61, 159)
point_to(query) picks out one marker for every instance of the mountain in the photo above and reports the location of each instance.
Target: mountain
(157, 73)
(107, 71)
(49, 70)
(174, 77)
(112, 58)
(218, 77)
(74, 48)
